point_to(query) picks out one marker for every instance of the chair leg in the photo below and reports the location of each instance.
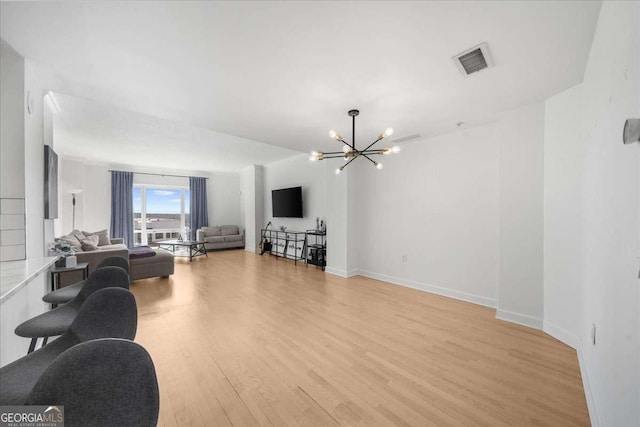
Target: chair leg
(44, 341)
(32, 346)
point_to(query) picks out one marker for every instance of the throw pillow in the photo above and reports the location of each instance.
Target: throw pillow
(90, 243)
(103, 236)
(71, 240)
(78, 235)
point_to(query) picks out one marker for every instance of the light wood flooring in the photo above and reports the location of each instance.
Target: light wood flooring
(243, 340)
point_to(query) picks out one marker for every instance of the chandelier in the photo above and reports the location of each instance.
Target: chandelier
(350, 152)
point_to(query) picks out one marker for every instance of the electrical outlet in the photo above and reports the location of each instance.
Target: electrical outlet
(404, 257)
(593, 334)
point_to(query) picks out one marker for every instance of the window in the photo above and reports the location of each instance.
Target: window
(159, 213)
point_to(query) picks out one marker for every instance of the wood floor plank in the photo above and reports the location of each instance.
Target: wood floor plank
(241, 340)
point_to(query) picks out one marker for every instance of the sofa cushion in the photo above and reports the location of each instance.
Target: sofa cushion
(234, 238)
(212, 231)
(214, 239)
(118, 246)
(161, 256)
(71, 240)
(103, 236)
(229, 230)
(78, 234)
(90, 243)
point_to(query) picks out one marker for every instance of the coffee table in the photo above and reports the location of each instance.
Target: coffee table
(195, 247)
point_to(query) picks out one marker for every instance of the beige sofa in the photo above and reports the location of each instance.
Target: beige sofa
(221, 237)
(116, 248)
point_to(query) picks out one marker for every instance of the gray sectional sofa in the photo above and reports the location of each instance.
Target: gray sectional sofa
(159, 265)
(221, 237)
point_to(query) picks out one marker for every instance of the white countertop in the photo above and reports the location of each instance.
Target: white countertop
(14, 275)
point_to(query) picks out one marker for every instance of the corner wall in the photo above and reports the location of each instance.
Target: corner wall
(252, 191)
(520, 289)
(611, 206)
(429, 219)
(592, 216)
(563, 229)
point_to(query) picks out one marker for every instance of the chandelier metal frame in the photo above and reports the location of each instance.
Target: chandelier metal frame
(350, 152)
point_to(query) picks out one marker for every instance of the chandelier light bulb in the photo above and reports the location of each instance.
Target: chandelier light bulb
(350, 152)
(396, 149)
(312, 158)
(333, 134)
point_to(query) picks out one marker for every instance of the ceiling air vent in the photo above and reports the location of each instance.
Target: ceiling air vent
(406, 138)
(475, 59)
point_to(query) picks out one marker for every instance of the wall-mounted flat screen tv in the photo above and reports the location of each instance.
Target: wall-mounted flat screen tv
(287, 202)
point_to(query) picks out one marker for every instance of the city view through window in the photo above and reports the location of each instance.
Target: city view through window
(159, 213)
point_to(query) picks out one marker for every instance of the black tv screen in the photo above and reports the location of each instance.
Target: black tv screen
(287, 202)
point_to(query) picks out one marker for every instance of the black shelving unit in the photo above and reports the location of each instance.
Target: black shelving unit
(287, 241)
(316, 248)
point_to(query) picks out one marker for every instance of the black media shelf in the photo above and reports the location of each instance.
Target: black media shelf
(316, 251)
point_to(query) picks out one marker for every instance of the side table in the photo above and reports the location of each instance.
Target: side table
(57, 271)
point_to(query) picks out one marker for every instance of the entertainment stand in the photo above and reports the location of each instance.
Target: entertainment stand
(309, 246)
(287, 244)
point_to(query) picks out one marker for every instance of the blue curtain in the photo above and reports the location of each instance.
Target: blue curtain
(199, 216)
(122, 206)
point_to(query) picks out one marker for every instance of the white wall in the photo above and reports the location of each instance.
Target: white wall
(520, 133)
(22, 171)
(563, 234)
(297, 171)
(611, 93)
(34, 167)
(325, 195)
(340, 254)
(12, 151)
(252, 190)
(437, 203)
(12, 93)
(223, 193)
(93, 205)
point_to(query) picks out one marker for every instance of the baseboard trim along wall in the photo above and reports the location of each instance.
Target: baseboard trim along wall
(341, 273)
(575, 342)
(451, 293)
(520, 319)
(560, 334)
(586, 384)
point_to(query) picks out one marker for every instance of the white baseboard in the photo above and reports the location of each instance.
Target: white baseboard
(586, 384)
(340, 272)
(560, 334)
(451, 293)
(520, 319)
(249, 249)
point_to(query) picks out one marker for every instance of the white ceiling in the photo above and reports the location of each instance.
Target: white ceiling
(286, 72)
(96, 131)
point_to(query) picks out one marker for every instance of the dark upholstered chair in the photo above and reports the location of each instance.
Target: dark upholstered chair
(114, 384)
(107, 313)
(66, 294)
(58, 320)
